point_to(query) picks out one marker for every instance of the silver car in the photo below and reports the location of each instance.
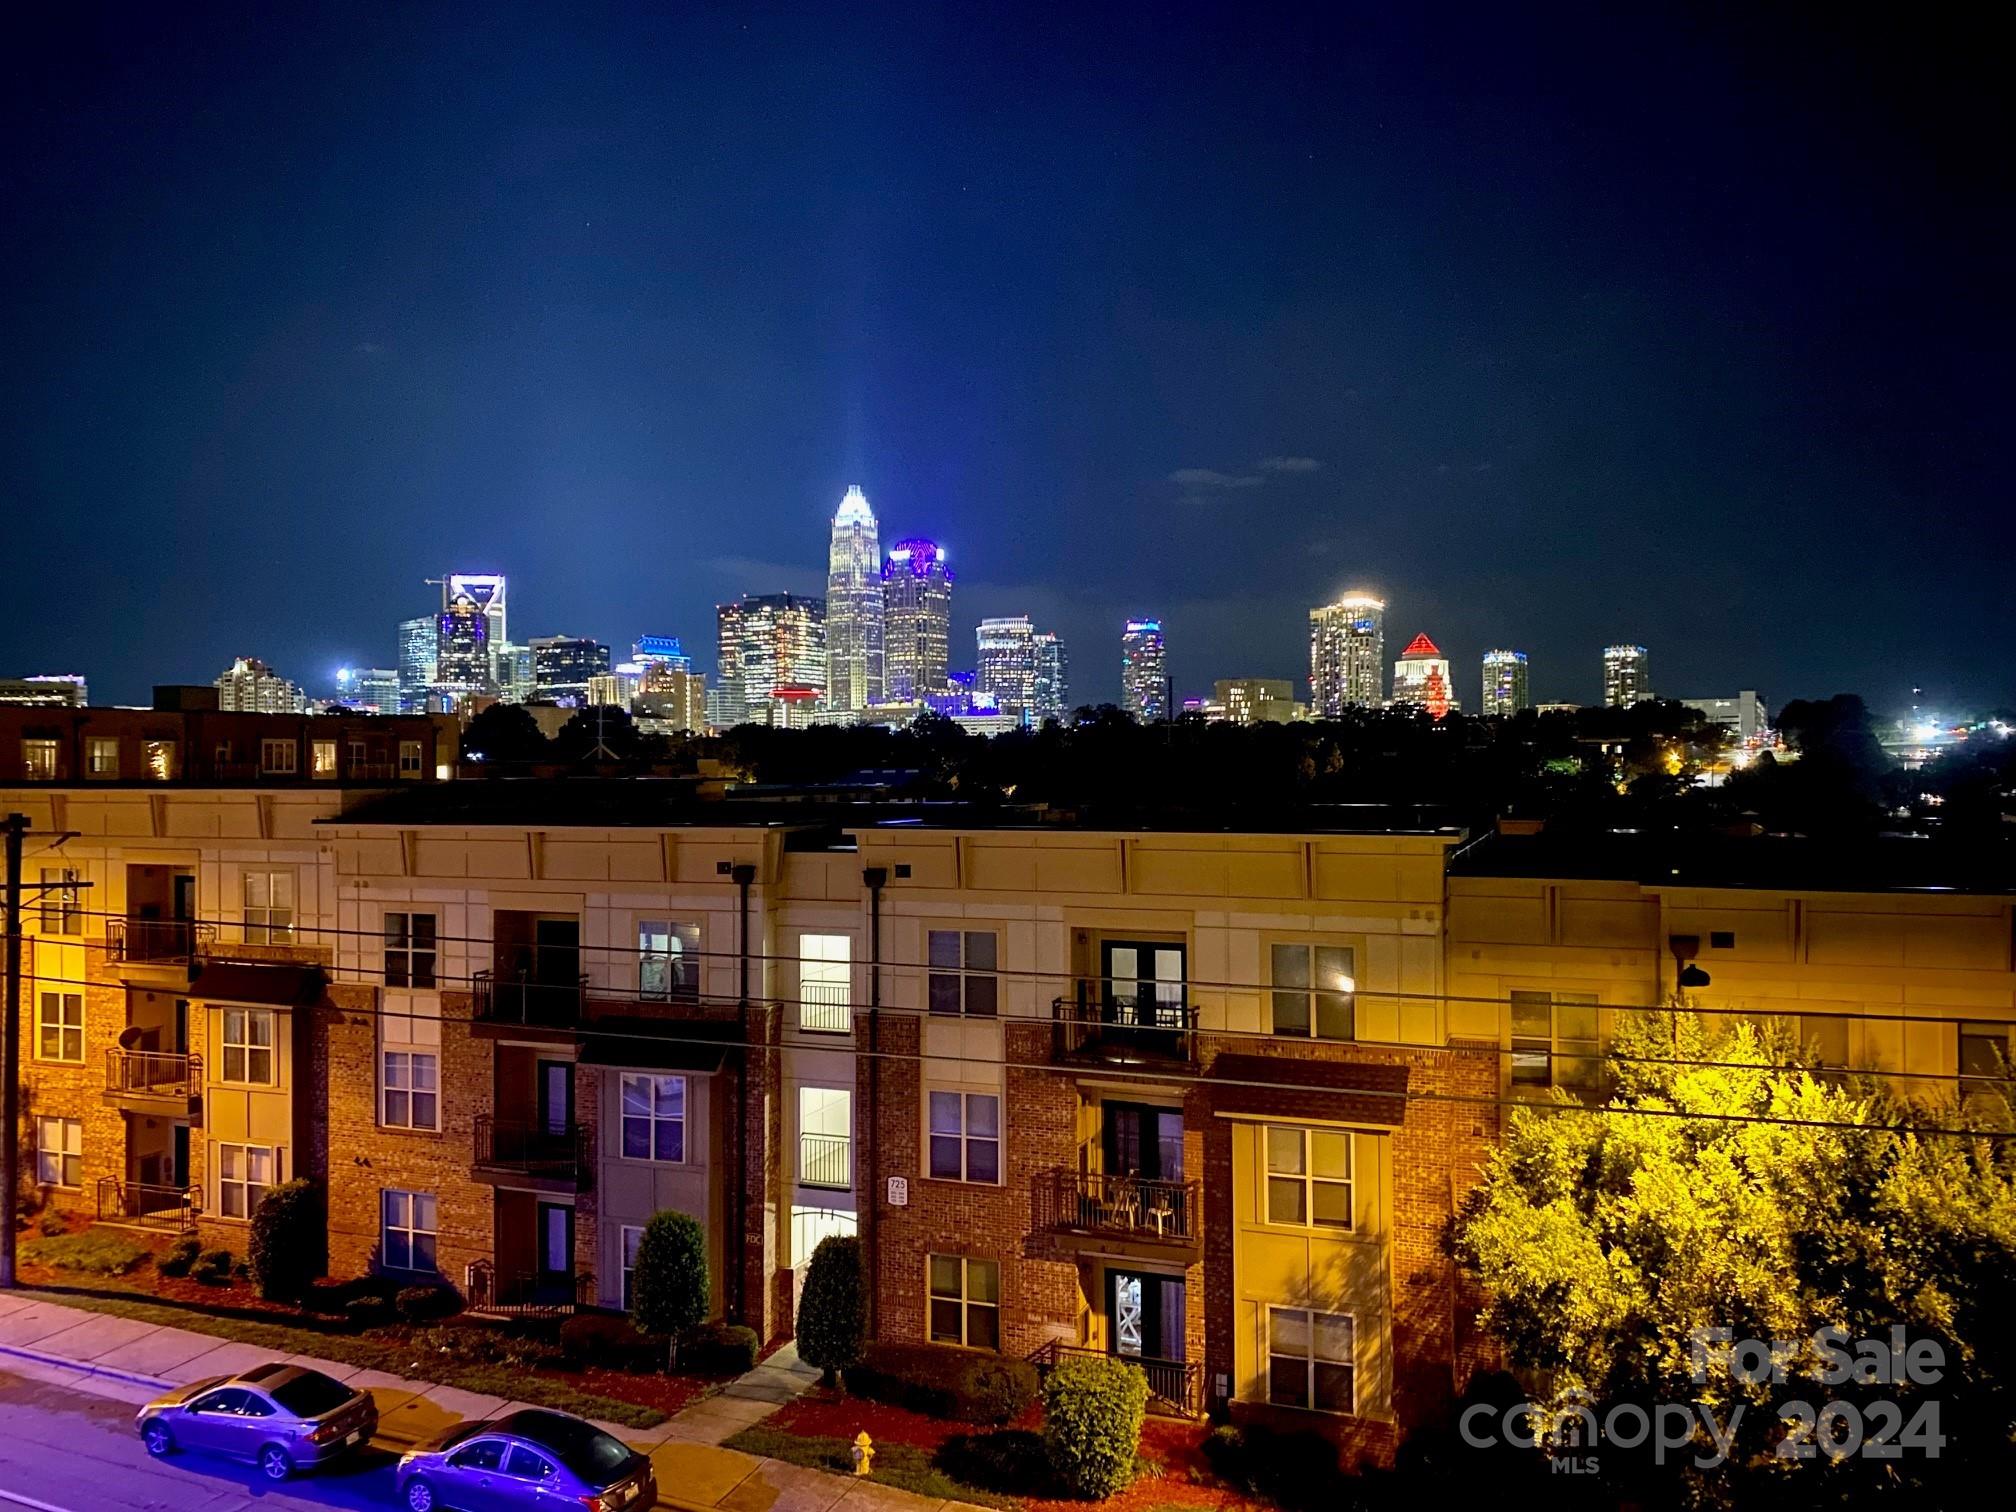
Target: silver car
(535, 1460)
(283, 1418)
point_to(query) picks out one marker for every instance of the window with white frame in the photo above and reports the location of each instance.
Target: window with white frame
(1314, 990)
(1554, 1042)
(962, 979)
(407, 1240)
(101, 756)
(965, 1301)
(825, 1137)
(410, 943)
(244, 1174)
(59, 1027)
(322, 758)
(410, 759)
(668, 960)
(630, 1238)
(269, 907)
(248, 1046)
(654, 1117)
(825, 983)
(1311, 1360)
(39, 760)
(411, 1097)
(1309, 1177)
(61, 913)
(280, 757)
(59, 1152)
(965, 1136)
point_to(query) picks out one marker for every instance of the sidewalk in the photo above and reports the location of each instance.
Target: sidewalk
(129, 1361)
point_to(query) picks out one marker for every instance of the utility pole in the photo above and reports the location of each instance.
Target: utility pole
(15, 826)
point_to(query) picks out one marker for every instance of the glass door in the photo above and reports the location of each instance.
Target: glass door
(1143, 1141)
(1142, 983)
(556, 1252)
(1144, 1315)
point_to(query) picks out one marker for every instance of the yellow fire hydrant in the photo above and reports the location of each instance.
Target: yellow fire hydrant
(864, 1452)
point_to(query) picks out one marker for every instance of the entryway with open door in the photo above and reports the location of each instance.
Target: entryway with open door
(1144, 1326)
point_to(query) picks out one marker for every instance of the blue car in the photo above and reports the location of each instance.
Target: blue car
(535, 1460)
(283, 1418)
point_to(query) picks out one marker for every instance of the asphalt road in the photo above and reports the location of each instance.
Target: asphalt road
(67, 1451)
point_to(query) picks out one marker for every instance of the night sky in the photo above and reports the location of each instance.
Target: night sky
(1557, 328)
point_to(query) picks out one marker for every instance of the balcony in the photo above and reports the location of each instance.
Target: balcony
(1174, 1386)
(826, 1008)
(156, 1082)
(170, 1209)
(521, 1294)
(1092, 1213)
(519, 1002)
(1100, 1027)
(533, 1156)
(159, 950)
(826, 1160)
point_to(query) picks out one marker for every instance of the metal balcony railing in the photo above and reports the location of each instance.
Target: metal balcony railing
(526, 1294)
(161, 941)
(164, 1207)
(153, 1073)
(1174, 1383)
(826, 1160)
(826, 1007)
(1169, 1212)
(526, 1148)
(1099, 1022)
(519, 998)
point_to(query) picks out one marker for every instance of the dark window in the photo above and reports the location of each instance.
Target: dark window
(962, 976)
(1721, 939)
(311, 1394)
(409, 949)
(230, 1400)
(484, 1454)
(526, 1465)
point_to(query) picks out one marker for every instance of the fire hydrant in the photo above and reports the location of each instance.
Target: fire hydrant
(864, 1452)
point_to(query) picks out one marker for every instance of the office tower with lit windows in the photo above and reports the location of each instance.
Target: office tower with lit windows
(782, 659)
(916, 621)
(511, 672)
(725, 707)
(854, 613)
(1053, 679)
(486, 591)
(1256, 700)
(462, 666)
(419, 649)
(1144, 671)
(1627, 675)
(660, 651)
(1421, 678)
(375, 689)
(671, 700)
(1347, 654)
(562, 666)
(249, 686)
(46, 690)
(1505, 686)
(1006, 671)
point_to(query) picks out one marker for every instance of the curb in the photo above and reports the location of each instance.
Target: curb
(85, 1367)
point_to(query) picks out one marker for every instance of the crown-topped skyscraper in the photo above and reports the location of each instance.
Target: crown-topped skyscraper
(854, 607)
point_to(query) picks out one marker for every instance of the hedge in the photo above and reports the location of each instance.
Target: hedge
(181, 1256)
(610, 1340)
(429, 1302)
(289, 1241)
(1092, 1412)
(832, 1314)
(720, 1349)
(212, 1267)
(940, 1381)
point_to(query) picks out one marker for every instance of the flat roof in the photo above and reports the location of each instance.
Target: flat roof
(1786, 862)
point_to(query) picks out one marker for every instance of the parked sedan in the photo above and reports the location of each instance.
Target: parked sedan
(535, 1460)
(281, 1417)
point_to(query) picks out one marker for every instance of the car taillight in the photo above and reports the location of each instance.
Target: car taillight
(325, 1433)
(599, 1503)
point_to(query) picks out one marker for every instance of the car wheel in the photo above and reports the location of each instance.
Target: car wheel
(157, 1438)
(419, 1496)
(274, 1463)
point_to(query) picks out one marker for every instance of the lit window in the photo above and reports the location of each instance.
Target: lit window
(1311, 1360)
(244, 1173)
(962, 976)
(410, 759)
(668, 960)
(59, 1152)
(409, 949)
(966, 1136)
(322, 754)
(1314, 990)
(279, 757)
(1554, 1040)
(1309, 1178)
(965, 1302)
(825, 1137)
(162, 760)
(38, 760)
(412, 1095)
(101, 755)
(60, 911)
(654, 1118)
(825, 983)
(60, 1027)
(810, 1226)
(248, 1046)
(269, 907)
(407, 1242)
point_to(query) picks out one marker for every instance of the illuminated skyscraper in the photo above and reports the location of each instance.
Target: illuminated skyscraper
(1053, 679)
(372, 688)
(1627, 675)
(854, 608)
(1257, 700)
(1505, 691)
(511, 668)
(725, 707)
(562, 666)
(672, 700)
(916, 621)
(1006, 672)
(249, 686)
(783, 657)
(486, 591)
(1144, 671)
(419, 648)
(462, 665)
(1347, 654)
(1421, 678)
(660, 651)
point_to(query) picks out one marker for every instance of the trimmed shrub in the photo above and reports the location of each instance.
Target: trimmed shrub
(289, 1244)
(610, 1340)
(669, 1286)
(326, 1296)
(368, 1311)
(1092, 1412)
(93, 1252)
(943, 1382)
(720, 1349)
(1294, 1470)
(52, 1223)
(427, 1303)
(181, 1257)
(833, 1314)
(212, 1267)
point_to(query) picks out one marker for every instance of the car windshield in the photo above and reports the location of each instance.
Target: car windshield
(588, 1452)
(310, 1394)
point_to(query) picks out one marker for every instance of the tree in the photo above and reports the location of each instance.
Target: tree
(1607, 1238)
(504, 732)
(670, 1288)
(832, 1317)
(288, 1245)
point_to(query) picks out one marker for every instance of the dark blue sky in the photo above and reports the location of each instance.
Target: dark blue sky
(1583, 328)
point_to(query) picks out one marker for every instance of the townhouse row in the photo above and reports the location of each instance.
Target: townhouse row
(1206, 1101)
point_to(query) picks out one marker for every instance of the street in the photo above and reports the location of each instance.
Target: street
(68, 1451)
